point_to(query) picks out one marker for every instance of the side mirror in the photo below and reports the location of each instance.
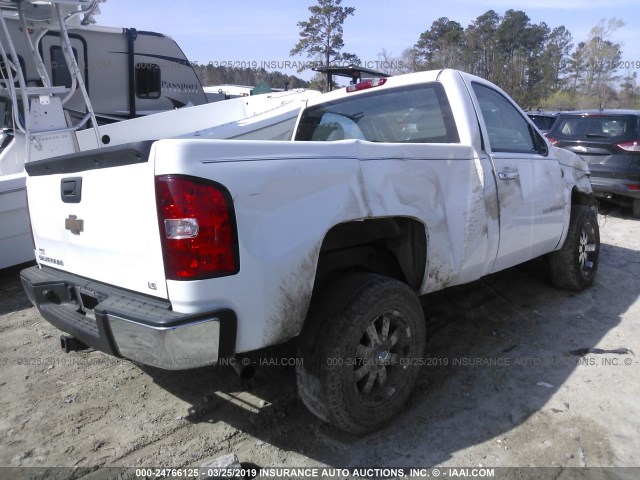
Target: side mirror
(538, 141)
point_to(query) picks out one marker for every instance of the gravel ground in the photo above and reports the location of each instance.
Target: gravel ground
(510, 381)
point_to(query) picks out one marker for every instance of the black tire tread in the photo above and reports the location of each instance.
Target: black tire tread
(334, 311)
(564, 270)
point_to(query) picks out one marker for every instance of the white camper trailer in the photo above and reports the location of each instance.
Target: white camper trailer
(127, 73)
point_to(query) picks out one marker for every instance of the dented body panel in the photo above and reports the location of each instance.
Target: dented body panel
(285, 207)
(481, 209)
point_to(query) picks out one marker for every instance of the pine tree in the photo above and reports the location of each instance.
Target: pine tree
(321, 35)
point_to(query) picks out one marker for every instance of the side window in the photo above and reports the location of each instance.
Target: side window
(60, 74)
(414, 114)
(508, 130)
(148, 80)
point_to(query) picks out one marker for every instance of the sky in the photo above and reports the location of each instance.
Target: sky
(262, 33)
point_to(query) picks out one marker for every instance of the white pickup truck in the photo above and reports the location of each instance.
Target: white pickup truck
(179, 253)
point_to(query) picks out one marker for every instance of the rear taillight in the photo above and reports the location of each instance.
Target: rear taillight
(552, 140)
(633, 146)
(197, 228)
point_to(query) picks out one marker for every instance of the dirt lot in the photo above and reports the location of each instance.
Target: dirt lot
(502, 388)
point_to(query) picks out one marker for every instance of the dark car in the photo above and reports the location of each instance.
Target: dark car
(543, 120)
(609, 141)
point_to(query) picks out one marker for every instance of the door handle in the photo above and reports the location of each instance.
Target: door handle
(508, 175)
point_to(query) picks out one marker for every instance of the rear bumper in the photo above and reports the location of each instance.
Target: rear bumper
(130, 325)
(603, 186)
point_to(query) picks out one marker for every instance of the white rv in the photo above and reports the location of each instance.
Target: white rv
(127, 72)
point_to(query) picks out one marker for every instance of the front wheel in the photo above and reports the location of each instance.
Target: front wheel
(574, 266)
(361, 348)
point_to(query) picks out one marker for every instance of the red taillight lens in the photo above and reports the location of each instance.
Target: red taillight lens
(376, 82)
(633, 146)
(635, 188)
(552, 140)
(197, 228)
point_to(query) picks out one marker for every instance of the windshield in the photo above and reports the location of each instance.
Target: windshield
(608, 128)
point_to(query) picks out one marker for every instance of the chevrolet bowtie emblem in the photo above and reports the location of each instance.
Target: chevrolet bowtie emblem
(74, 225)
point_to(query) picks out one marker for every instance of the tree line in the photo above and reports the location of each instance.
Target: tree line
(536, 64)
(211, 74)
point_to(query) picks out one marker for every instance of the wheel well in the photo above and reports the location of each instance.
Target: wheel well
(581, 198)
(395, 247)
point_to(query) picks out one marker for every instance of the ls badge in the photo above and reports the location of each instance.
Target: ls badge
(74, 225)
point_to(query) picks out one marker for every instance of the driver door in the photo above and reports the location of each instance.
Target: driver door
(531, 191)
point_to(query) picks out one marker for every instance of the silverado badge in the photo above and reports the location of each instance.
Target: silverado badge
(74, 225)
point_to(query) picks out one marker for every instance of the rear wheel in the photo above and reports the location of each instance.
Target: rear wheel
(361, 348)
(574, 266)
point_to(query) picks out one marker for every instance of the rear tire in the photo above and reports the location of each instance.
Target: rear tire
(635, 207)
(361, 348)
(574, 266)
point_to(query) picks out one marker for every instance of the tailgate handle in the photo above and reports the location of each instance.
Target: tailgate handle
(71, 190)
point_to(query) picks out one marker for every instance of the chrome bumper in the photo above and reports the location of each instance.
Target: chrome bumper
(179, 347)
(129, 325)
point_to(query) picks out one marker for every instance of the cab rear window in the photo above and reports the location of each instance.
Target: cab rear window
(415, 114)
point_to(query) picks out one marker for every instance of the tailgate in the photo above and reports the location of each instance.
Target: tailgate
(94, 215)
